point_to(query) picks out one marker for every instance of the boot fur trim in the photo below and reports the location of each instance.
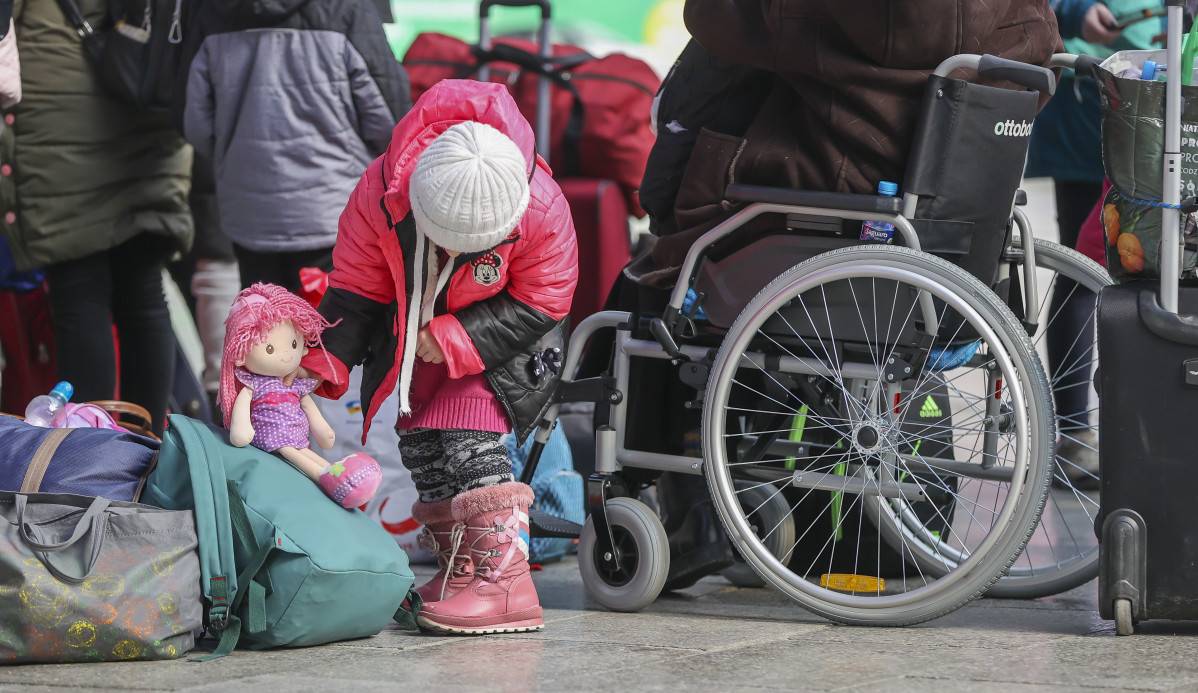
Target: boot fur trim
(433, 513)
(489, 499)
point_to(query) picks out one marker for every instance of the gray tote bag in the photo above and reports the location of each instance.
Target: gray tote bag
(88, 580)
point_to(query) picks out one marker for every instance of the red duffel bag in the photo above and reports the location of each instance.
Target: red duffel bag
(599, 115)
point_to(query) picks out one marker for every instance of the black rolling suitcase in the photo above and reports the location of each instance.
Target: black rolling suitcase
(1148, 388)
(1148, 384)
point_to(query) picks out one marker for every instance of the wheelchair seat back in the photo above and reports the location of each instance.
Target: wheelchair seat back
(965, 165)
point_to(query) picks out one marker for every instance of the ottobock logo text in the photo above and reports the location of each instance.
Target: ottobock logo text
(1012, 129)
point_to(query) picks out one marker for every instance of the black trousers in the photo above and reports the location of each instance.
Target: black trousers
(119, 287)
(1071, 312)
(281, 268)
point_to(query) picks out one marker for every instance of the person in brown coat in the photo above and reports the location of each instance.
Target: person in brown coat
(841, 114)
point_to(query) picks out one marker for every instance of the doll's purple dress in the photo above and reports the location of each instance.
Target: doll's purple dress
(275, 411)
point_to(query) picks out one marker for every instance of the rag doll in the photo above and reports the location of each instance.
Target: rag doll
(268, 331)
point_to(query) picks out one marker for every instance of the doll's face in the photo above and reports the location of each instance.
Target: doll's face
(279, 355)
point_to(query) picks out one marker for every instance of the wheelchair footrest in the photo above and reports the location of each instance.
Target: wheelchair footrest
(542, 524)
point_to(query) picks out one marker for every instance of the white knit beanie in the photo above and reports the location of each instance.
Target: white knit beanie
(469, 188)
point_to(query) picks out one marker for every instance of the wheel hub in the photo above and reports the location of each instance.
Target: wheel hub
(868, 438)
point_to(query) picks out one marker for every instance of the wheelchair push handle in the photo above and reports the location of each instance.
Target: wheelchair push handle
(1082, 64)
(1033, 77)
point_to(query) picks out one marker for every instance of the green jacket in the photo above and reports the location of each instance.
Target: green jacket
(82, 172)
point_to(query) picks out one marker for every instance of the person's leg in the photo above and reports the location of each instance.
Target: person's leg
(421, 452)
(501, 597)
(215, 284)
(1071, 314)
(147, 342)
(255, 267)
(81, 300)
(476, 459)
(294, 261)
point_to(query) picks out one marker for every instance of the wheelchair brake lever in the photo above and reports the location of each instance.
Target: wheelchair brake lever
(660, 332)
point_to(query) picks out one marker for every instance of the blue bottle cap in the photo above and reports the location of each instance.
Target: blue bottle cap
(887, 188)
(64, 388)
(1150, 71)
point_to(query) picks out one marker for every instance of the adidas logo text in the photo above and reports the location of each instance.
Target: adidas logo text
(1012, 129)
(930, 410)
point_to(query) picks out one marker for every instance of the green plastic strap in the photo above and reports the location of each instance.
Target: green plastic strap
(228, 641)
(245, 531)
(1189, 49)
(406, 618)
(252, 587)
(252, 582)
(256, 608)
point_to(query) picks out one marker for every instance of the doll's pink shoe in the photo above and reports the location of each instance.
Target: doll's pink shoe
(352, 481)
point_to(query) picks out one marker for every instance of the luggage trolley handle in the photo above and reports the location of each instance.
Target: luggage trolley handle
(1171, 173)
(546, 53)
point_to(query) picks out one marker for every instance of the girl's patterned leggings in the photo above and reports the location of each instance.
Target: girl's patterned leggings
(446, 462)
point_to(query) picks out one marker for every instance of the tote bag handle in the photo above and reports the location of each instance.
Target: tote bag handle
(90, 525)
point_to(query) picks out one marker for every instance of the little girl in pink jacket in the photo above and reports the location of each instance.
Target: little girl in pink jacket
(454, 267)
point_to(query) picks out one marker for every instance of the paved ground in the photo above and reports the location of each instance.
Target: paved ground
(711, 637)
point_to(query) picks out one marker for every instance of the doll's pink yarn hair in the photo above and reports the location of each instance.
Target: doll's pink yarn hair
(254, 314)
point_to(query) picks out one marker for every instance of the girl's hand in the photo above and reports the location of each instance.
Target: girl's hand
(302, 372)
(427, 347)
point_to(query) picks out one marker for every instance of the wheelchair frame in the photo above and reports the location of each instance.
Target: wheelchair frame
(612, 389)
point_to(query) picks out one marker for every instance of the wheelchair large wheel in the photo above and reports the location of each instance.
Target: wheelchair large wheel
(1063, 552)
(827, 388)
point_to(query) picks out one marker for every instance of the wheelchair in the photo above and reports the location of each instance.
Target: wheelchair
(878, 433)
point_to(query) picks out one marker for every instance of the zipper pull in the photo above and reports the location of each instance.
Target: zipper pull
(145, 18)
(176, 32)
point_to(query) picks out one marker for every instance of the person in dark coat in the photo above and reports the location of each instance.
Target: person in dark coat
(95, 191)
(841, 115)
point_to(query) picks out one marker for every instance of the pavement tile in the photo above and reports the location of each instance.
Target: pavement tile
(918, 684)
(708, 637)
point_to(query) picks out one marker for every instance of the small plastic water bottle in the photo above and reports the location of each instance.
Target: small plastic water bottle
(48, 411)
(1153, 70)
(880, 231)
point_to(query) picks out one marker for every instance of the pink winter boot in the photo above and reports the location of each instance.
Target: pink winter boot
(445, 538)
(501, 598)
(351, 483)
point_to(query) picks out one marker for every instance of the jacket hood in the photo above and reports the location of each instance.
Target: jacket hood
(446, 104)
(258, 13)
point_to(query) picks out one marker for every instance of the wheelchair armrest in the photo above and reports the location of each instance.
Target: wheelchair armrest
(738, 192)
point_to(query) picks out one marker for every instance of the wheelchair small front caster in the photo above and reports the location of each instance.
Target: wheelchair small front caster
(639, 571)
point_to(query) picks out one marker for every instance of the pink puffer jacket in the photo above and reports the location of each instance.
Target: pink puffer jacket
(497, 304)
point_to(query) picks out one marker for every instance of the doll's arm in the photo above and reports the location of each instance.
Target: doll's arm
(241, 431)
(325, 437)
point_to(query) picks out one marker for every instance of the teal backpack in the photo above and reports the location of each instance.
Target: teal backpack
(281, 564)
